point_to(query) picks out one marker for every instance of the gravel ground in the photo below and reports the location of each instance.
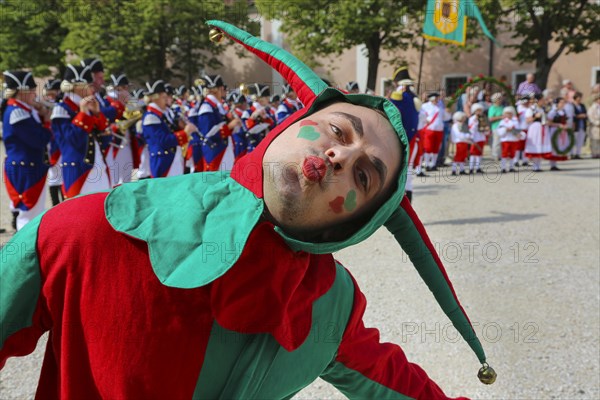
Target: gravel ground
(523, 253)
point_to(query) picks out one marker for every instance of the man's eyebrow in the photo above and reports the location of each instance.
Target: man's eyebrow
(380, 168)
(355, 121)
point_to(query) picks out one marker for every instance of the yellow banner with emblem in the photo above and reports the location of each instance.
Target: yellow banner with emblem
(446, 20)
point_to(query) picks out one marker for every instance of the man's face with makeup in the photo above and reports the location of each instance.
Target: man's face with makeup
(329, 167)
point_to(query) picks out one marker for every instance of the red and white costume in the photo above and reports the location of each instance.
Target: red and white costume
(510, 139)
(461, 141)
(433, 132)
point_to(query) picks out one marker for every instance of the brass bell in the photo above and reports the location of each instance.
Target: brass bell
(486, 374)
(215, 35)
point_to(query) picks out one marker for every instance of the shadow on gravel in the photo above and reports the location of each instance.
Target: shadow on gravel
(501, 217)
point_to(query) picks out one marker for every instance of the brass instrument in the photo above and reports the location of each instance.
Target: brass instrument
(130, 117)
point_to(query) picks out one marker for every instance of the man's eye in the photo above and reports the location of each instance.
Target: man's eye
(363, 178)
(337, 131)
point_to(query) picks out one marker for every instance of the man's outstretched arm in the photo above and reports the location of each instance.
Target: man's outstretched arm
(364, 368)
(20, 284)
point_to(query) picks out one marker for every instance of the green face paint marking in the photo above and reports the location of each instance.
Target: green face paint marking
(350, 202)
(308, 132)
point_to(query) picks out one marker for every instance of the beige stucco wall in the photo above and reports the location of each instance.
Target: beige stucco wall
(437, 62)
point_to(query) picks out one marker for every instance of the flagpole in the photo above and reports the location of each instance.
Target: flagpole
(491, 62)
(421, 64)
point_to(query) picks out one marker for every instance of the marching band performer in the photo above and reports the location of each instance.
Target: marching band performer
(143, 155)
(97, 69)
(165, 157)
(479, 135)
(461, 140)
(25, 140)
(77, 123)
(238, 106)
(51, 95)
(122, 154)
(289, 105)
(213, 130)
(352, 87)
(433, 132)
(510, 138)
(409, 105)
(256, 120)
(274, 102)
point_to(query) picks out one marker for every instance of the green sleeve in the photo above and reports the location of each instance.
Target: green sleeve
(20, 283)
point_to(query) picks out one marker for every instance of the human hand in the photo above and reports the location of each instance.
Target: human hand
(190, 128)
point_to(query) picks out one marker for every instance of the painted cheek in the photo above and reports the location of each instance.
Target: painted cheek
(350, 201)
(337, 204)
(308, 133)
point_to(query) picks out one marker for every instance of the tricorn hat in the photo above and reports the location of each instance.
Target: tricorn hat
(94, 63)
(155, 87)
(78, 74)
(119, 79)
(402, 77)
(352, 85)
(19, 80)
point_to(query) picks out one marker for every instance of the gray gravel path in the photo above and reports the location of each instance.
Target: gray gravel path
(523, 254)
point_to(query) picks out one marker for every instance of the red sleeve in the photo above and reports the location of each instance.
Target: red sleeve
(225, 131)
(182, 137)
(250, 123)
(84, 121)
(120, 107)
(379, 369)
(100, 121)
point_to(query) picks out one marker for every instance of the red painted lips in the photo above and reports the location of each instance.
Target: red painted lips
(314, 168)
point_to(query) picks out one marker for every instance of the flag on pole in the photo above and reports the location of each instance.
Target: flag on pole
(446, 20)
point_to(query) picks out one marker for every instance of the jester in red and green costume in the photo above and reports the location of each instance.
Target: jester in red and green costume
(202, 286)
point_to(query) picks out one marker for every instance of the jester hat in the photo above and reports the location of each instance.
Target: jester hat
(239, 197)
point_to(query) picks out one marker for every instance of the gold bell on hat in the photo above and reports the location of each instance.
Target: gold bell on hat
(215, 35)
(486, 374)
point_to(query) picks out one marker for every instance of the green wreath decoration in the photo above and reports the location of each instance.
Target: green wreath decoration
(507, 89)
(554, 141)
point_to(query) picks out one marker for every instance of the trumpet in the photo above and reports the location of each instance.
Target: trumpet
(131, 117)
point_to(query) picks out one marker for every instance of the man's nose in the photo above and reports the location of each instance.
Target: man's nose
(340, 157)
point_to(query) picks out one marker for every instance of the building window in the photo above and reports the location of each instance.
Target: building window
(518, 77)
(595, 75)
(453, 82)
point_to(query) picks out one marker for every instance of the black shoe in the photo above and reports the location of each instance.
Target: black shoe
(470, 172)
(479, 171)
(512, 170)
(555, 168)
(454, 173)
(421, 173)
(576, 157)
(525, 164)
(433, 169)
(15, 214)
(464, 172)
(503, 171)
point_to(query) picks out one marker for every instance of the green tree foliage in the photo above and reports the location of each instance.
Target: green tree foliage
(30, 35)
(323, 27)
(535, 24)
(147, 39)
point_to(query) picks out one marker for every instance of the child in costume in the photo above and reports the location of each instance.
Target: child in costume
(510, 138)
(479, 137)
(461, 141)
(174, 313)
